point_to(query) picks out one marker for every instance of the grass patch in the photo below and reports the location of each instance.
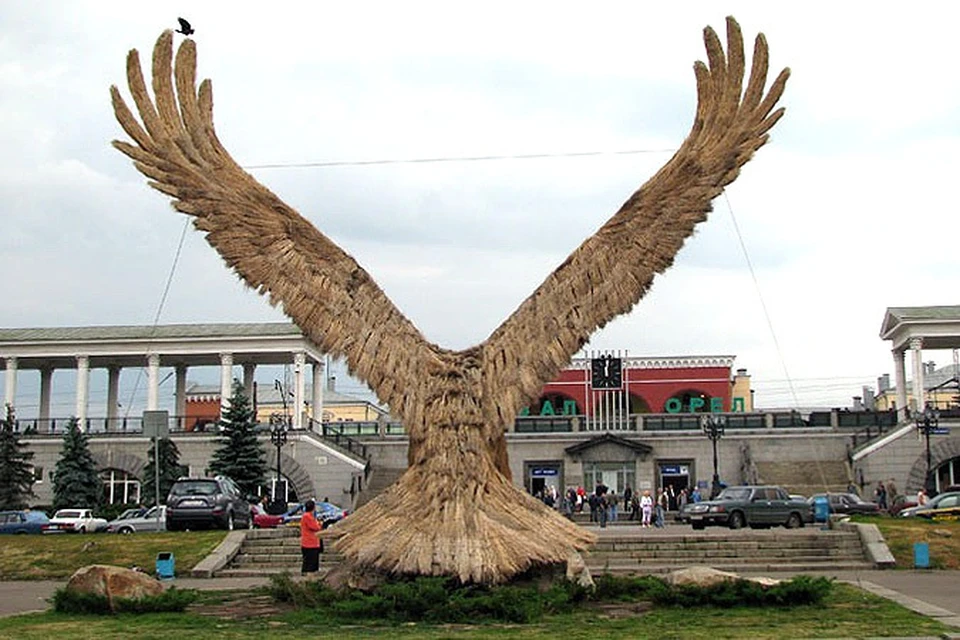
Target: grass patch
(46, 557)
(943, 539)
(845, 612)
(172, 599)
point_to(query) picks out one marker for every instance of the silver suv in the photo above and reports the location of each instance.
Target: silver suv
(196, 503)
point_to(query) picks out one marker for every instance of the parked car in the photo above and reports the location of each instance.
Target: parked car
(74, 521)
(847, 503)
(945, 506)
(327, 513)
(195, 503)
(134, 520)
(264, 520)
(22, 521)
(737, 507)
(901, 502)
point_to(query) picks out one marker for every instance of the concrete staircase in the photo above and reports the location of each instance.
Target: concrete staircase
(380, 479)
(625, 550)
(805, 478)
(743, 551)
(270, 551)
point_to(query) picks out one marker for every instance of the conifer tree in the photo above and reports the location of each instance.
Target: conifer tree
(16, 472)
(170, 470)
(76, 483)
(239, 456)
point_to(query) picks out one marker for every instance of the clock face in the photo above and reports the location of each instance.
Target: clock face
(606, 372)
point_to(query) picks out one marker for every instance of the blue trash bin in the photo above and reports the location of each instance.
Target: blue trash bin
(821, 509)
(165, 566)
(921, 555)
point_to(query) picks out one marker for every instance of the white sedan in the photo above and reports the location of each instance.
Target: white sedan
(74, 521)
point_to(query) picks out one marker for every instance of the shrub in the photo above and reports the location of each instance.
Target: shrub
(172, 599)
(445, 600)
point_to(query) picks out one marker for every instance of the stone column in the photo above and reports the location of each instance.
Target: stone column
(113, 396)
(317, 395)
(299, 388)
(46, 385)
(249, 370)
(83, 389)
(180, 397)
(900, 374)
(226, 381)
(153, 381)
(10, 393)
(916, 345)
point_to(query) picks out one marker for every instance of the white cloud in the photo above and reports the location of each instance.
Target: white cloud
(848, 210)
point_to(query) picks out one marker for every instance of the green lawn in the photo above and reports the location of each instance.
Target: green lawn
(847, 612)
(943, 539)
(51, 557)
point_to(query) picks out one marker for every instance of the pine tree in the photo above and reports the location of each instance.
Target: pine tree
(170, 470)
(76, 483)
(16, 472)
(239, 455)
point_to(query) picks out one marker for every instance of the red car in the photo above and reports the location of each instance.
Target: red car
(264, 520)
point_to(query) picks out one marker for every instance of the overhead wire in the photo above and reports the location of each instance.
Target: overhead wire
(763, 304)
(160, 305)
(443, 159)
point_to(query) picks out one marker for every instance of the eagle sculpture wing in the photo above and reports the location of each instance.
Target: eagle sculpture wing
(333, 300)
(609, 273)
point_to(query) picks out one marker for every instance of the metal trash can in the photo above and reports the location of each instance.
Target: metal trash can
(821, 509)
(921, 555)
(165, 566)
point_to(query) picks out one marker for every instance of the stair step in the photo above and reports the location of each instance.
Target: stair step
(271, 551)
(736, 567)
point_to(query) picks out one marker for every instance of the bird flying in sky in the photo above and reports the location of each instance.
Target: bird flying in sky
(185, 27)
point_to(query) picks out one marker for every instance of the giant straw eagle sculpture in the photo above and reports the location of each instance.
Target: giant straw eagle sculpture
(455, 511)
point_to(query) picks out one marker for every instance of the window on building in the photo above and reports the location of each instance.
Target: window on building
(120, 487)
(948, 474)
(38, 475)
(616, 475)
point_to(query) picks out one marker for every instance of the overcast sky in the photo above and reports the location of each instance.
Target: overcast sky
(845, 213)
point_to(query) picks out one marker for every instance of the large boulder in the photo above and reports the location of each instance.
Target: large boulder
(114, 582)
(703, 576)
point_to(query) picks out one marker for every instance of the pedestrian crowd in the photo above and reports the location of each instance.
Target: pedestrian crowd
(605, 504)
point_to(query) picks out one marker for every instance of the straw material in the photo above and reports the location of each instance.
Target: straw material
(455, 511)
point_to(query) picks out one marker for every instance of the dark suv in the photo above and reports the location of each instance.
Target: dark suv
(218, 502)
(756, 507)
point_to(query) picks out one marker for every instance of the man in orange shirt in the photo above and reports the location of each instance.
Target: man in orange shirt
(310, 543)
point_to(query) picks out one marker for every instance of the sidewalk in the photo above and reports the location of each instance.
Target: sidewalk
(27, 595)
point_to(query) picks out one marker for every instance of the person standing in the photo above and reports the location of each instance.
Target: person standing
(310, 543)
(881, 495)
(614, 500)
(891, 493)
(646, 507)
(660, 508)
(601, 493)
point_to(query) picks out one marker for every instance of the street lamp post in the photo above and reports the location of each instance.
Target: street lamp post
(713, 427)
(278, 436)
(927, 424)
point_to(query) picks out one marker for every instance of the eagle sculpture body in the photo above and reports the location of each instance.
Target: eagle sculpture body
(455, 511)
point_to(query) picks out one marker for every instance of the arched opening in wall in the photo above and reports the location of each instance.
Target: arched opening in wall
(638, 404)
(120, 487)
(555, 404)
(948, 475)
(689, 401)
(282, 488)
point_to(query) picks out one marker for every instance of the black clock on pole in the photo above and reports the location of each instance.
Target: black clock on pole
(606, 372)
